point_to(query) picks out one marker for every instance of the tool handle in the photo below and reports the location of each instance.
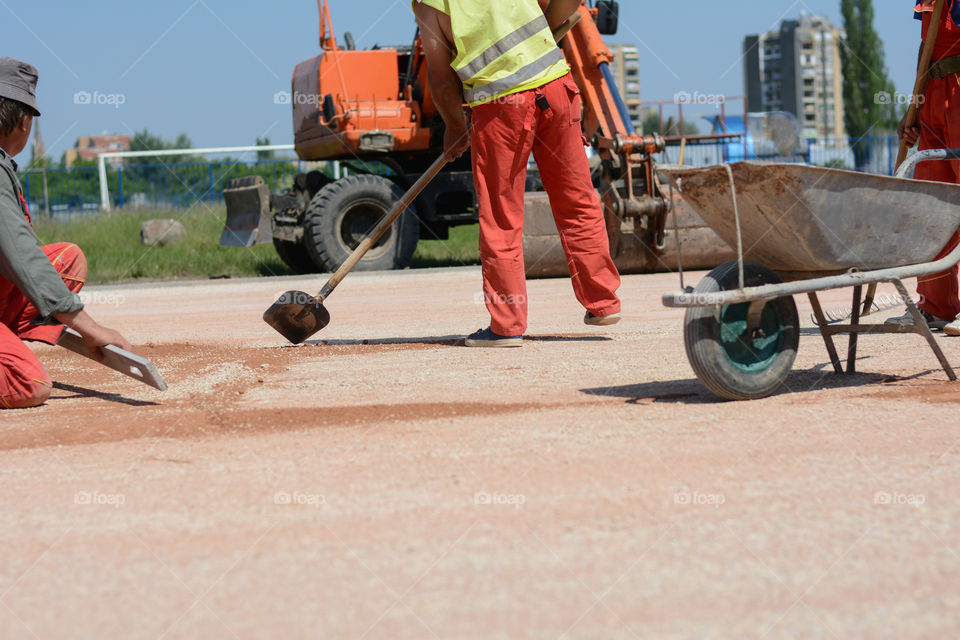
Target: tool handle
(381, 229)
(923, 71)
(564, 28)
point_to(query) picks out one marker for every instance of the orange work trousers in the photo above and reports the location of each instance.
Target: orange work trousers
(23, 380)
(940, 129)
(505, 132)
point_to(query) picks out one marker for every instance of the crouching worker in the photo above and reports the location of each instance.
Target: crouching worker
(38, 285)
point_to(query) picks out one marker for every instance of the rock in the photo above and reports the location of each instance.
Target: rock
(159, 233)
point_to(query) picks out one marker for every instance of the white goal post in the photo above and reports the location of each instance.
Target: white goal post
(103, 157)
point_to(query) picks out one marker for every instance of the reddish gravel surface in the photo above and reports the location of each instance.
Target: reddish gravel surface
(390, 483)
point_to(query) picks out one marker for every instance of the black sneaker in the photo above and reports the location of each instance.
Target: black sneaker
(935, 323)
(487, 338)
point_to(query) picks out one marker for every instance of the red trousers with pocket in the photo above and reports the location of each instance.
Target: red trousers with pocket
(505, 132)
(23, 380)
(940, 129)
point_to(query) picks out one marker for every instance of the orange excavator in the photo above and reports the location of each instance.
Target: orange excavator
(372, 108)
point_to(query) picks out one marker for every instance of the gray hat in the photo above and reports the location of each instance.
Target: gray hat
(18, 81)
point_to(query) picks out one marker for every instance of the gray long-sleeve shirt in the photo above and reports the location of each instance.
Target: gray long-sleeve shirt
(22, 261)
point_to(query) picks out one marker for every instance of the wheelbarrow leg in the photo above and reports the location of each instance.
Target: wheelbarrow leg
(825, 332)
(921, 327)
(868, 301)
(854, 336)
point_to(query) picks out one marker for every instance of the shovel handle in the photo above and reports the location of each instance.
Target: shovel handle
(381, 229)
(923, 71)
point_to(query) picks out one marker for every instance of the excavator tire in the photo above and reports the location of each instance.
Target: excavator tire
(344, 212)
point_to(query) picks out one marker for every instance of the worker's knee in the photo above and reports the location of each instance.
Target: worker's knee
(24, 382)
(33, 396)
(70, 262)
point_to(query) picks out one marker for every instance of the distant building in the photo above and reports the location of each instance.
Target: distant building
(626, 71)
(89, 147)
(798, 70)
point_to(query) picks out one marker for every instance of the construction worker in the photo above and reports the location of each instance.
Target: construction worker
(38, 285)
(501, 58)
(938, 127)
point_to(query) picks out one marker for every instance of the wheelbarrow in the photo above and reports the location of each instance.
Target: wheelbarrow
(799, 229)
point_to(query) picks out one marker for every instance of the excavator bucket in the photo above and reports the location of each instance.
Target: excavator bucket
(248, 213)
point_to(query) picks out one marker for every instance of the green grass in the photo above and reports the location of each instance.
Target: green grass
(111, 243)
(462, 248)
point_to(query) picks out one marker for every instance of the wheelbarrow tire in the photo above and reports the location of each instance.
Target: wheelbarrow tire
(344, 212)
(731, 365)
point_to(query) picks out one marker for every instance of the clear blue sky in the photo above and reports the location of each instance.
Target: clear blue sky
(210, 68)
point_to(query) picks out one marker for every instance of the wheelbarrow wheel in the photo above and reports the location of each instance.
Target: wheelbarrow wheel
(733, 363)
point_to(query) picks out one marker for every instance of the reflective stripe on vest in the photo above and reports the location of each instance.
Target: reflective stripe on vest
(502, 47)
(487, 58)
(504, 85)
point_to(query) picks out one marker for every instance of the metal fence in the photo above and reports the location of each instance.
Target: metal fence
(869, 155)
(67, 191)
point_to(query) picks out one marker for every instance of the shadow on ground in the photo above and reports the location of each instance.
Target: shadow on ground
(691, 391)
(82, 392)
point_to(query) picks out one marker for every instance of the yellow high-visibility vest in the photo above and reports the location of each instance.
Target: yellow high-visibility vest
(503, 47)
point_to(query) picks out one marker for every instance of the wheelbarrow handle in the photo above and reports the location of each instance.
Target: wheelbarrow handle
(906, 169)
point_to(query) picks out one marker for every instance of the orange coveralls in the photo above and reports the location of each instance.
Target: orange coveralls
(23, 380)
(940, 129)
(504, 133)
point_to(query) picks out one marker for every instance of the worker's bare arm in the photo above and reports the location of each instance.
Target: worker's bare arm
(93, 333)
(559, 10)
(435, 33)
(910, 135)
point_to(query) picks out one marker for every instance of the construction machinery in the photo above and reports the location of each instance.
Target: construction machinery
(374, 106)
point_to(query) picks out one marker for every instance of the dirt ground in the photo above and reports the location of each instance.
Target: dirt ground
(389, 483)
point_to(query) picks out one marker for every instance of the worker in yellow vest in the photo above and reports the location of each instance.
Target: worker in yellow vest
(502, 60)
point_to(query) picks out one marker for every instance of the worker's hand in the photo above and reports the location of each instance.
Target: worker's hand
(101, 337)
(456, 141)
(910, 135)
(94, 334)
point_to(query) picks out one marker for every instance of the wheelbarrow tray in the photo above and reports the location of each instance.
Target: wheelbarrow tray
(804, 222)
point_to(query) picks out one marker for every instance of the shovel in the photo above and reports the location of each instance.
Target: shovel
(297, 315)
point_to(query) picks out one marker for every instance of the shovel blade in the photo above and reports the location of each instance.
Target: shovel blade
(297, 316)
